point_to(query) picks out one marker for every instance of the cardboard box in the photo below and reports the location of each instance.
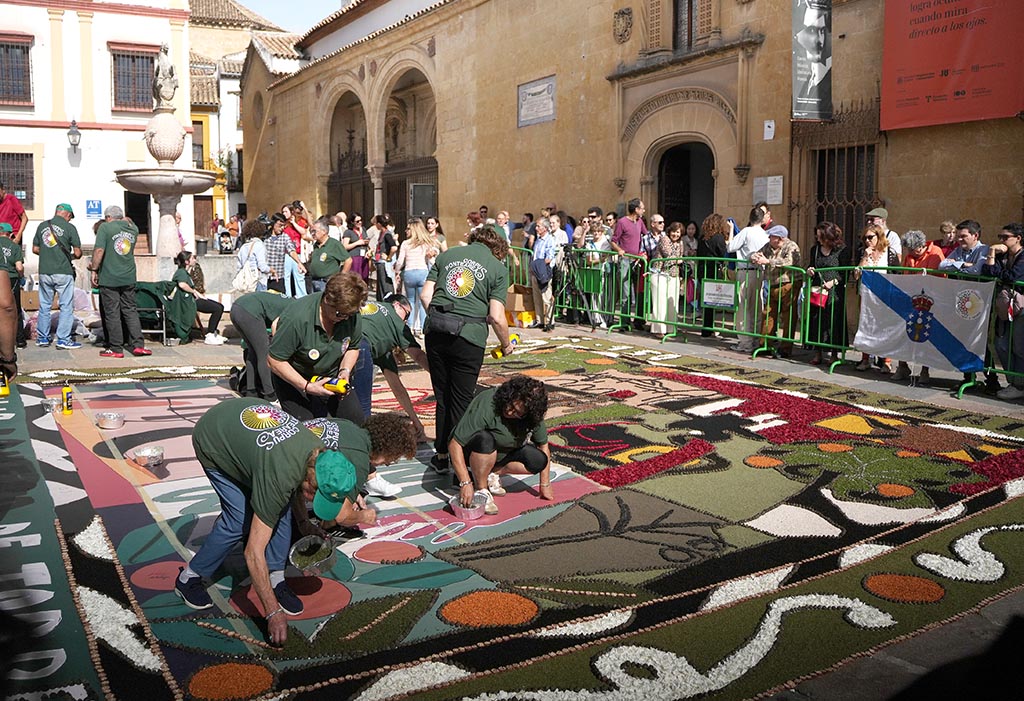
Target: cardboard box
(515, 302)
(30, 300)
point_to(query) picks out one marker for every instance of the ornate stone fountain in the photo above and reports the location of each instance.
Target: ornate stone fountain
(165, 139)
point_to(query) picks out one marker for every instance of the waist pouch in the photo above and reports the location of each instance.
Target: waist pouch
(450, 323)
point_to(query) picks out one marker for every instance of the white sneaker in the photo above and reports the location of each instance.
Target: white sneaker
(1010, 392)
(494, 485)
(213, 339)
(490, 508)
(380, 487)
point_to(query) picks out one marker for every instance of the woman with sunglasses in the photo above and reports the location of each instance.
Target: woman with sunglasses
(355, 242)
(877, 256)
(1005, 262)
(319, 338)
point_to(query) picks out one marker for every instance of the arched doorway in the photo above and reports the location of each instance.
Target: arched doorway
(686, 187)
(349, 187)
(410, 141)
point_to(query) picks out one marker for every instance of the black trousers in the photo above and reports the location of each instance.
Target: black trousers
(117, 307)
(304, 408)
(214, 309)
(276, 285)
(253, 331)
(16, 291)
(454, 368)
(385, 285)
(532, 457)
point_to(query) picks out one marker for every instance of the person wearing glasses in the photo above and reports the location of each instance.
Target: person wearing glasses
(355, 242)
(1005, 262)
(878, 255)
(319, 337)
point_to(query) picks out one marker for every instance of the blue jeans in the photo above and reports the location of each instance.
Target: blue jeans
(413, 281)
(233, 524)
(64, 286)
(362, 377)
(294, 282)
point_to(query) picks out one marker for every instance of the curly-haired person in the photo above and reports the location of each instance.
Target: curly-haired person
(491, 440)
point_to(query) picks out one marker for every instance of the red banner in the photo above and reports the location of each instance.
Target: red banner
(948, 61)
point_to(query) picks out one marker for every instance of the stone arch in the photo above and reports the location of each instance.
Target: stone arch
(388, 75)
(338, 86)
(671, 119)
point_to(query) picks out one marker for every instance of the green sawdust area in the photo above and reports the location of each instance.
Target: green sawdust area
(637, 356)
(810, 639)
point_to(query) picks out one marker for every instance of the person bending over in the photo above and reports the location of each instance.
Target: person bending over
(491, 440)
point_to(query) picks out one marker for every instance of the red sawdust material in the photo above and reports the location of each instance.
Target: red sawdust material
(904, 588)
(231, 681)
(489, 608)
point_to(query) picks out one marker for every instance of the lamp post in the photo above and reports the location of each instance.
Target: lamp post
(74, 136)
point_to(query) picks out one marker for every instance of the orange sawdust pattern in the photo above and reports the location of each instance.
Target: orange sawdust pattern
(540, 372)
(231, 681)
(904, 588)
(907, 454)
(489, 608)
(600, 361)
(762, 461)
(834, 448)
(888, 489)
(389, 552)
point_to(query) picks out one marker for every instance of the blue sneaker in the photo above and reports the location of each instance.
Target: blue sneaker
(192, 592)
(291, 604)
(42, 342)
(70, 345)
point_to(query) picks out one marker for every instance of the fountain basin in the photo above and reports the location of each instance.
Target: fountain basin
(165, 181)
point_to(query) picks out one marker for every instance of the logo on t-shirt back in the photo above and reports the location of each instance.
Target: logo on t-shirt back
(123, 243)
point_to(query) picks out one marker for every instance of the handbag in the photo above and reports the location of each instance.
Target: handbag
(1006, 298)
(247, 277)
(819, 296)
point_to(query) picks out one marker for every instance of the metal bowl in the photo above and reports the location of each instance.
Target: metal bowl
(109, 419)
(475, 511)
(313, 555)
(51, 405)
(149, 456)
(172, 341)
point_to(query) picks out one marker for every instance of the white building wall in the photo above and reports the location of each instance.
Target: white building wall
(383, 16)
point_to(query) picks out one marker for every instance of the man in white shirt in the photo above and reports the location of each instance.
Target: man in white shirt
(744, 244)
(879, 215)
(969, 256)
(502, 221)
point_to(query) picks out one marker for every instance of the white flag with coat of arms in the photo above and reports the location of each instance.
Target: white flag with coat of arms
(925, 319)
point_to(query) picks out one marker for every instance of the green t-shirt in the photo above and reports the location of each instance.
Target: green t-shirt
(385, 330)
(469, 277)
(481, 416)
(117, 240)
(302, 341)
(264, 305)
(350, 440)
(326, 260)
(181, 275)
(259, 446)
(53, 238)
(10, 253)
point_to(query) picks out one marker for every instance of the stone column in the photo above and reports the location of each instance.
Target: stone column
(376, 171)
(166, 244)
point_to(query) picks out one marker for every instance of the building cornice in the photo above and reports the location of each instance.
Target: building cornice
(108, 7)
(748, 42)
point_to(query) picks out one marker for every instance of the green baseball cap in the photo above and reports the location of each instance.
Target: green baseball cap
(6, 228)
(335, 482)
(67, 208)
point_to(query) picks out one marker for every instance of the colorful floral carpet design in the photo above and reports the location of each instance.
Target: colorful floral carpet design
(716, 532)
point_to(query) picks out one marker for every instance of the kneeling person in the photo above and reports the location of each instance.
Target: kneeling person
(490, 440)
(256, 456)
(382, 440)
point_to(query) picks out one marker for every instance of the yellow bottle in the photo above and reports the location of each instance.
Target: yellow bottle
(66, 398)
(513, 338)
(5, 386)
(338, 385)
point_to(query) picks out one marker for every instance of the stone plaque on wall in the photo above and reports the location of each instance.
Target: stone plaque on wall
(536, 102)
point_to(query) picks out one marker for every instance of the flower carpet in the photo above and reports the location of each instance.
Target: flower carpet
(717, 532)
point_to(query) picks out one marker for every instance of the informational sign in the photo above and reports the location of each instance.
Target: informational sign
(812, 59)
(536, 102)
(94, 209)
(950, 61)
(768, 189)
(718, 294)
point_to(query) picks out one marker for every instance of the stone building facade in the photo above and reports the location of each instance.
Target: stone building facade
(662, 99)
